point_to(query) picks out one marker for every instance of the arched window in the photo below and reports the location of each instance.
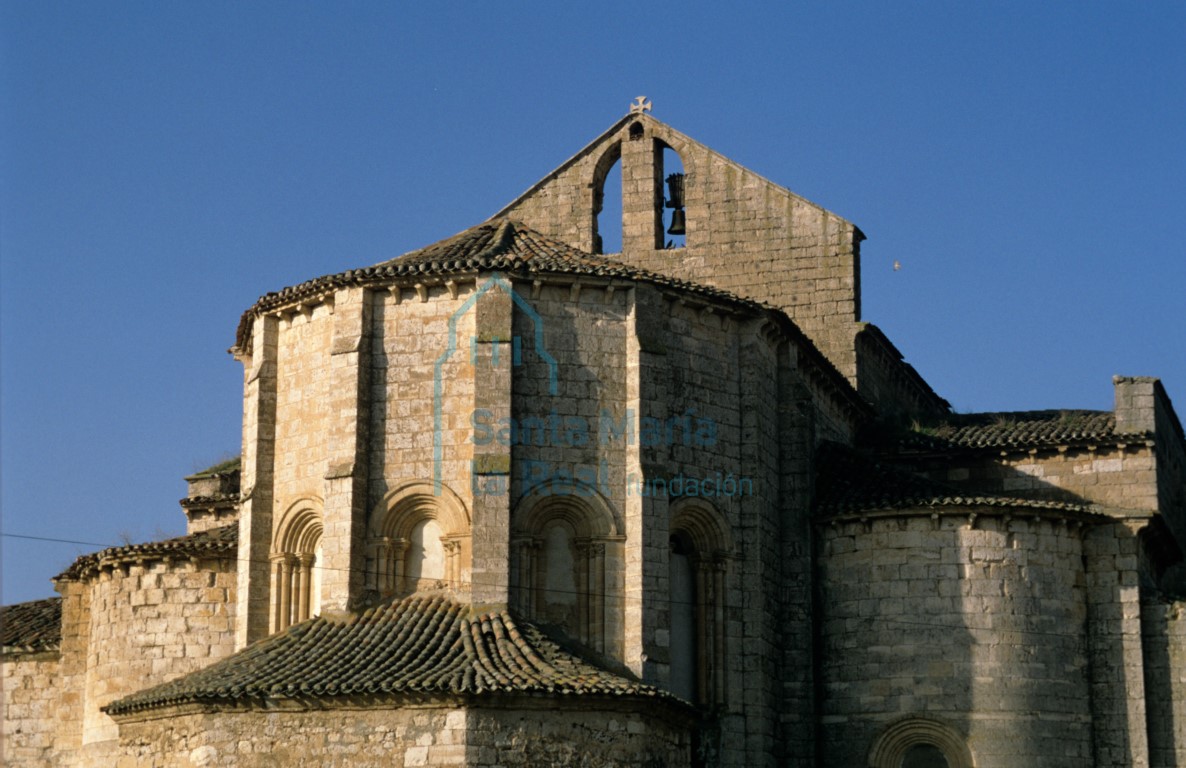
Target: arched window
(295, 565)
(566, 565)
(698, 559)
(920, 742)
(418, 540)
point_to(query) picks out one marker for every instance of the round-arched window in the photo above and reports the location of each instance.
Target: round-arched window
(920, 742)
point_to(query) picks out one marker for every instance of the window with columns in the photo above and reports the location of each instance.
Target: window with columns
(566, 565)
(418, 540)
(295, 565)
(698, 567)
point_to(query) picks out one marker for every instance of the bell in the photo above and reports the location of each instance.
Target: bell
(675, 186)
(678, 222)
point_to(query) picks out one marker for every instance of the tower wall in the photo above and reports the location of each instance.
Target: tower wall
(980, 627)
(150, 623)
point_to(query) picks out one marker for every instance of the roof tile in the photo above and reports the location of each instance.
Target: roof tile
(31, 627)
(214, 542)
(426, 643)
(1018, 429)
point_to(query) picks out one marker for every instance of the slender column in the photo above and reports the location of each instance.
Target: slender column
(718, 631)
(704, 649)
(277, 567)
(519, 574)
(399, 550)
(305, 573)
(597, 595)
(384, 576)
(584, 599)
(452, 549)
(285, 612)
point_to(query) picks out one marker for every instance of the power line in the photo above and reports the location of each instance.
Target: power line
(621, 598)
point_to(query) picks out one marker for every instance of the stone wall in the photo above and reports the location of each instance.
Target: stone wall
(1163, 633)
(595, 735)
(32, 694)
(979, 626)
(410, 336)
(1123, 478)
(303, 400)
(744, 233)
(891, 384)
(1117, 663)
(149, 624)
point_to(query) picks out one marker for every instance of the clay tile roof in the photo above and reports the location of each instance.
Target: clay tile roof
(503, 245)
(220, 542)
(498, 245)
(423, 644)
(848, 482)
(1019, 429)
(31, 627)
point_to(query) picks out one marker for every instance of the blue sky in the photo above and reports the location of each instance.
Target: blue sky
(162, 164)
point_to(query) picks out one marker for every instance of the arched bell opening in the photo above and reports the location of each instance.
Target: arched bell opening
(607, 201)
(672, 219)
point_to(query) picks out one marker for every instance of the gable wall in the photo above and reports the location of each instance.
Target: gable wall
(745, 234)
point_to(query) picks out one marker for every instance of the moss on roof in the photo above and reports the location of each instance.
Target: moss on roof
(221, 468)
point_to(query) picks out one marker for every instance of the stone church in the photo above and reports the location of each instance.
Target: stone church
(510, 501)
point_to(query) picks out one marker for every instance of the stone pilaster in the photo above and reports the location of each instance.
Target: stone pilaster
(796, 435)
(1114, 646)
(257, 482)
(756, 371)
(345, 513)
(75, 643)
(493, 354)
(647, 515)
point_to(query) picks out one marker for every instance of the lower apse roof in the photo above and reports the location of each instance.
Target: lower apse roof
(31, 627)
(423, 644)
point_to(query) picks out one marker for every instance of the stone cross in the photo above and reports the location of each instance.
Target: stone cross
(640, 105)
